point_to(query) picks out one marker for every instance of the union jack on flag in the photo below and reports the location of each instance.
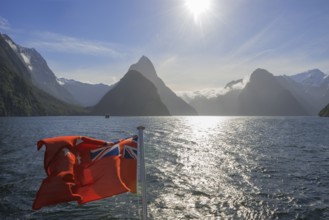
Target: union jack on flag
(130, 150)
(104, 152)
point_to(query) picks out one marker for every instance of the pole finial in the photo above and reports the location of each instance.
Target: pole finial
(140, 127)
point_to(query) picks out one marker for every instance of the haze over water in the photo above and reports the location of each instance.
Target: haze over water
(197, 167)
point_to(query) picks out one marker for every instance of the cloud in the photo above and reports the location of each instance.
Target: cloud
(4, 24)
(188, 96)
(213, 92)
(66, 44)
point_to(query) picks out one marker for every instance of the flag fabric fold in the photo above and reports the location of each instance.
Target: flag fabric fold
(129, 163)
(84, 169)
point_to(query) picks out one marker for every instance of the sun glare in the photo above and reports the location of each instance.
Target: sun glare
(198, 7)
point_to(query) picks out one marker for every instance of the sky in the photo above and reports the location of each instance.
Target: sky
(192, 47)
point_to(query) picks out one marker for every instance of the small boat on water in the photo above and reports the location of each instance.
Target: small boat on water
(107, 116)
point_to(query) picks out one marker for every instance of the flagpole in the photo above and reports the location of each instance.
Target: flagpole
(142, 170)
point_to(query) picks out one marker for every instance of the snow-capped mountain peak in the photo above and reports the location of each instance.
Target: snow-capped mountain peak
(11, 44)
(22, 52)
(312, 78)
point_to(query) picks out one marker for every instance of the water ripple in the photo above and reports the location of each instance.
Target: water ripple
(197, 167)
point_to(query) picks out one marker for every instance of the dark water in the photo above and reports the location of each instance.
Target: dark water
(197, 167)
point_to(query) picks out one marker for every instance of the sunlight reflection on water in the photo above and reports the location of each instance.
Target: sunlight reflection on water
(228, 168)
(205, 168)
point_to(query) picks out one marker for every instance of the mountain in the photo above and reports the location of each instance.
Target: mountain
(310, 88)
(264, 95)
(84, 93)
(41, 75)
(297, 90)
(175, 104)
(9, 58)
(313, 78)
(324, 112)
(18, 95)
(133, 95)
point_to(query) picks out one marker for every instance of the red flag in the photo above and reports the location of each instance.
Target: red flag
(83, 169)
(128, 164)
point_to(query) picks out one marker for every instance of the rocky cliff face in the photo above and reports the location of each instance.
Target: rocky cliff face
(18, 95)
(40, 73)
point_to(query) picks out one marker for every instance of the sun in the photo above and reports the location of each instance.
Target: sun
(198, 7)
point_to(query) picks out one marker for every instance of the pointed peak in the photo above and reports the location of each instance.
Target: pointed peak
(144, 60)
(145, 67)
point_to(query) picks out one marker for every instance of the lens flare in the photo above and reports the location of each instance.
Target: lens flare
(198, 7)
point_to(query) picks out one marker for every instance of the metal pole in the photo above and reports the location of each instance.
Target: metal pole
(142, 170)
